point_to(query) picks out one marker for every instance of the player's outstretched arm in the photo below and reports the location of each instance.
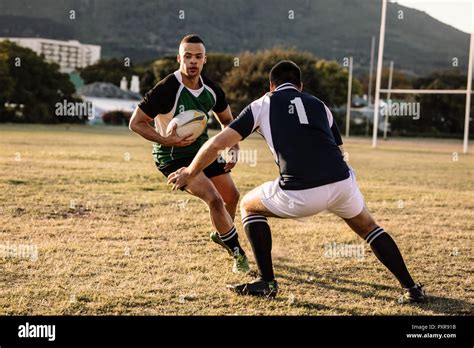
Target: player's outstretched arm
(210, 150)
(206, 155)
(225, 118)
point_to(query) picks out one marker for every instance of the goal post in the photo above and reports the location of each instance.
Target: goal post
(467, 92)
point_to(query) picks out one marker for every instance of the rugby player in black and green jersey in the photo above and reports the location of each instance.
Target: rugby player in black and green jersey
(187, 89)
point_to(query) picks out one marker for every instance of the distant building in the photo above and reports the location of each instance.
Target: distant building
(106, 97)
(134, 84)
(70, 55)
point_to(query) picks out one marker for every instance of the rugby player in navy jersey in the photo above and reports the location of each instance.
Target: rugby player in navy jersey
(307, 147)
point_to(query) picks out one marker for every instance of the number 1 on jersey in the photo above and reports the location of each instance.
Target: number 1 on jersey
(300, 110)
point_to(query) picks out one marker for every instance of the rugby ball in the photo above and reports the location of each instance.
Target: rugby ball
(188, 122)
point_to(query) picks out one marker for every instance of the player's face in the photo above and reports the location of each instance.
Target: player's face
(191, 58)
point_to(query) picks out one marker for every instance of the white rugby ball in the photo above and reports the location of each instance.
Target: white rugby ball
(188, 122)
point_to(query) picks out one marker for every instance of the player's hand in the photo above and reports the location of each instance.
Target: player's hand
(233, 155)
(179, 179)
(174, 140)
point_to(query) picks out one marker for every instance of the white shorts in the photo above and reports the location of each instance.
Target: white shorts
(342, 198)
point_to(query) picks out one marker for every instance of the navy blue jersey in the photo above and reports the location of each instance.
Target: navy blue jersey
(302, 135)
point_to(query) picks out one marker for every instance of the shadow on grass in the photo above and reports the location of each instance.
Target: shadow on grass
(437, 304)
(446, 305)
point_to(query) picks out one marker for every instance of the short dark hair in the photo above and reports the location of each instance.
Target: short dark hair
(191, 38)
(285, 71)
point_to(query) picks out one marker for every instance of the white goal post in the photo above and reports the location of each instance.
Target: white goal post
(378, 90)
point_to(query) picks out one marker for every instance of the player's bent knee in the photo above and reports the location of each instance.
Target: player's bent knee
(362, 223)
(234, 197)
(368, 223)
(245, 205)
(231, 196)
(215, 201)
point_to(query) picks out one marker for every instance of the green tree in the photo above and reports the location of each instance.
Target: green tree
(164, 66)
(330, 82)
(6, 82)
(399, 80)
(440, 114)
(107, 70)
(249, 80)
(33, 83)
(217, 67)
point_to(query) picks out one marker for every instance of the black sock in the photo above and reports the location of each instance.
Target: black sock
(386, 250)
(260, 238)
(231, 239)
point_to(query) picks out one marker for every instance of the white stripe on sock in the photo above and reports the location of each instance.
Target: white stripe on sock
(229, 236)
(225, 235)
(253, 217)
(255, 220)
(378, 234)
(369, 236)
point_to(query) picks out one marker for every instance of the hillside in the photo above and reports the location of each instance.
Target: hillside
(145, 29)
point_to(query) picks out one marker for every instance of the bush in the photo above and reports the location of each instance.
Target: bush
(117, 118)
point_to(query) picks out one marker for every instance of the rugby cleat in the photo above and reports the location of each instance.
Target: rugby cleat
(258, 287)
(241, 263)
(415, 294)
(217, 239)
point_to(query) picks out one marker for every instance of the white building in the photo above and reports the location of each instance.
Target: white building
(70, 55)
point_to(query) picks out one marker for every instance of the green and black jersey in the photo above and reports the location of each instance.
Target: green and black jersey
(170, 97)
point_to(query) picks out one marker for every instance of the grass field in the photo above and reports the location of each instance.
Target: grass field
(111, 238)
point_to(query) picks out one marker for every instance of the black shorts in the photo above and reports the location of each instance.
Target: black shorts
(216, 168)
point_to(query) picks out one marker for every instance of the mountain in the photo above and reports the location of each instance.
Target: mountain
(330, 29)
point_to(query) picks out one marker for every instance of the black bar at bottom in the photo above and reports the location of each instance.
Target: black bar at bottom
(427, 330)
